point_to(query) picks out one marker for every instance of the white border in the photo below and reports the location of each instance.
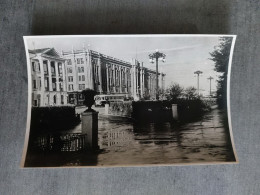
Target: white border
(129, 35)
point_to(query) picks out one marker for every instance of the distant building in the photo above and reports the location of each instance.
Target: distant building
(49, 86)
(107, 75)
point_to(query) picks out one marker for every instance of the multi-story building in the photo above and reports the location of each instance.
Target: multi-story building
(107, 75)
(48, 78)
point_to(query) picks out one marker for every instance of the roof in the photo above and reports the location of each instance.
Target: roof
(39, 50)
(46, 51)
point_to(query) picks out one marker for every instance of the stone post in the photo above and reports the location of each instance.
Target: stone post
(90, 127)
(175, 111)
(106, 109)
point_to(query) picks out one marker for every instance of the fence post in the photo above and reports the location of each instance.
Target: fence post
(175, 111)
(90, 127)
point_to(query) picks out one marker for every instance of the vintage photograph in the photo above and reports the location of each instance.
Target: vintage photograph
(128, 100)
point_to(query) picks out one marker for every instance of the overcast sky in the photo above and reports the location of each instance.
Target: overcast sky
(184, 55)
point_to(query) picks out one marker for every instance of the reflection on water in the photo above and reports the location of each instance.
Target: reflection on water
(124, 142)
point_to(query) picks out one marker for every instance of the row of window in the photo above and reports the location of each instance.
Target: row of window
(81, 87)
(52, 65)
(80, 69)
(78, 61)
(37, 102)
(81, 78)
(37, 84)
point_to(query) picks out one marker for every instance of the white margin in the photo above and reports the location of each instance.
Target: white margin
(129, 35)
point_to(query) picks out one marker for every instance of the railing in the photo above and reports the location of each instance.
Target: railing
(67, 142)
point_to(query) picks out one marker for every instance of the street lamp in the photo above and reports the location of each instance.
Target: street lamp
(155, 56)
(198, 72)
(210, 78)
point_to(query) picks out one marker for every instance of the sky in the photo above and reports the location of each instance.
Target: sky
(184, 54)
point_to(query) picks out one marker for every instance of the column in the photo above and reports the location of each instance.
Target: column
(134, 82)
(120, 80)
(57, 83)
(142, 82)
(125, 74)
(57, 76)
(100, 75)
(114, 75)
(49, 75)
(64, 83)
(43, 96)
(108, 84)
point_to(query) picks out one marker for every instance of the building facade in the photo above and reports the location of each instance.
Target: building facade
(108, 75)
(48, 75)
(59, 79)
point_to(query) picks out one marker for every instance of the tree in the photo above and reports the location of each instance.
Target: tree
(174, 92)
(220, 57)
(190, 93)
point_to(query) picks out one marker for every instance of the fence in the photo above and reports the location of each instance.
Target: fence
(69, 142)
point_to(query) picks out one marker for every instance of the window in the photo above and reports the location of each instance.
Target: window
(39, 67)
(35, 103)
(33, 66)
(53, 68)
(79, 78)
(70, 78)
(80, 69)
(45, 67)
(54, 86)
(70, 87)
(54, 99)
(34, 84)
(69, 70)
(83, 77)
(61, 86)
(81, 86)
(69, 62)
(62, 99)
(80, 61)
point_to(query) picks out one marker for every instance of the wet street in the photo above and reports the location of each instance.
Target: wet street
(124, 142)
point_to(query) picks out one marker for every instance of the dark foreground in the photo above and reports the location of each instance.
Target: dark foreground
(125, 142)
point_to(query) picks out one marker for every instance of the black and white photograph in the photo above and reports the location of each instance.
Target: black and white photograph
(128, 100)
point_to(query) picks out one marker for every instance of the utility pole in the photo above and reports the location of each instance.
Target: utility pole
(157, 55)
(198, 72)
(210, 78)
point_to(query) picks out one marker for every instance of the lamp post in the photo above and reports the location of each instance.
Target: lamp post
(210, 78)
(157, 55)
(198, 72)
